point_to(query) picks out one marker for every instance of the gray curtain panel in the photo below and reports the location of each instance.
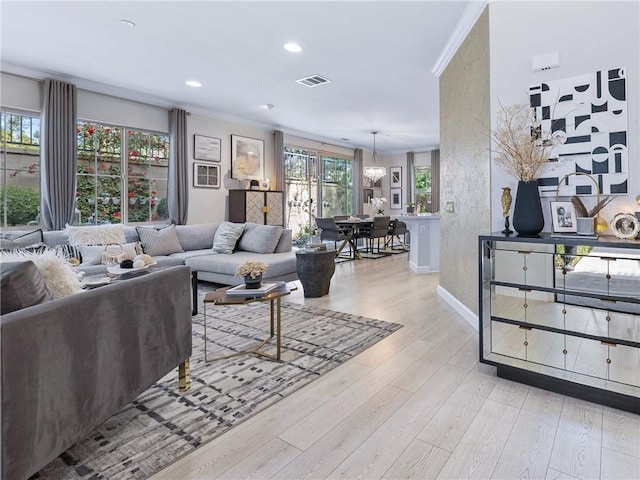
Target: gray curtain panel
(411, 177)
(435, 180)
(58, 154)
(278, 159)
(357, 179)
(178, 182)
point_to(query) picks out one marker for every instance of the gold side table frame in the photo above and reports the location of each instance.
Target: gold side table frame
(220, 297)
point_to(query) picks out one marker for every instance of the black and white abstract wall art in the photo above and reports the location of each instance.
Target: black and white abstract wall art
(590, 113)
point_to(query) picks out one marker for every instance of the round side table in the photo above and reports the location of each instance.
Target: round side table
(315, 270)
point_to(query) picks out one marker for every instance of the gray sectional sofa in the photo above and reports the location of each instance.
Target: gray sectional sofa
(196, 244)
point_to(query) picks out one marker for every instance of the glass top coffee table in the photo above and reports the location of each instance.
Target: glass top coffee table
(220, 297)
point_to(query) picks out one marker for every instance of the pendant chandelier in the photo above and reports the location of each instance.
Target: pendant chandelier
(374, 173)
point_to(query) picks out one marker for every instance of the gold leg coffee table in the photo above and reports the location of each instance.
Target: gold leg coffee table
(220, 297)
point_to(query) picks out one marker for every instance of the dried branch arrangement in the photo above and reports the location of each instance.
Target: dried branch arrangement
(522, 147)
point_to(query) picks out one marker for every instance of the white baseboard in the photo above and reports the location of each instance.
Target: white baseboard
(470, 317)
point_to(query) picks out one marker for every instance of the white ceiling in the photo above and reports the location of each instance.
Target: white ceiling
(377, 54)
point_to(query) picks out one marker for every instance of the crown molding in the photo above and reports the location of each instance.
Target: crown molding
(464, 26)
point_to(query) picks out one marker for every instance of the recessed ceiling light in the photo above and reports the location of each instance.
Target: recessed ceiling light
(193, 83)
(268, 106)
(292, 47)
(127, 23)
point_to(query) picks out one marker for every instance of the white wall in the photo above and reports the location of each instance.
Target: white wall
(589, 36)
(211, 205)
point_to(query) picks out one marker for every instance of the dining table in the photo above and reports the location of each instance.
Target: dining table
(355, 226)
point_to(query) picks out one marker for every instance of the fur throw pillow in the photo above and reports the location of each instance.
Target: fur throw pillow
(58, 274)
(96, 235)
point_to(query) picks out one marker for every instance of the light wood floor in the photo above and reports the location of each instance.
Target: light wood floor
(417, 405)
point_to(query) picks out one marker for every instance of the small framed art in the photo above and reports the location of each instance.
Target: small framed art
(563, 217)
(206, 175)
(206, 148)
(396, 176)
(625, 225)
(247, 158)
(396, 199)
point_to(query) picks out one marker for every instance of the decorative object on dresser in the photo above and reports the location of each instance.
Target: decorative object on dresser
(563, 217)
(262, 207)
(625, 225)
(562, 314)
(505, 200)
(252, 271)
(522, 149)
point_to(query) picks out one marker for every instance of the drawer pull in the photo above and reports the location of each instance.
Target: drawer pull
(522, 327)
(607, 300)
(524, 289)
(609, 344)
(608, 259)
(524, 252)
(266, 209)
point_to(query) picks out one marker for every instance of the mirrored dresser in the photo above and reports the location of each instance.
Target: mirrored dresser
(563, 314)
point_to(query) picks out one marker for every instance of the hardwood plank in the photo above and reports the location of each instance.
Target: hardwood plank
(451, 421)
(264, 462)
(384, 447)
(618, 466)
(327, 453)
(556, 475)
(468, 355)
(307, 431)
(480, 447)
(509, 393)
(420, 461)
(576, 449)
(621, 431)
(528, 449)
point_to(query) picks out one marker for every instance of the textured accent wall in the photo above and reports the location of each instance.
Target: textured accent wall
(465, 163)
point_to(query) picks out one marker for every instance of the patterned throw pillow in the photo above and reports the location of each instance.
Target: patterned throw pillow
(227, 236)
(162, 241)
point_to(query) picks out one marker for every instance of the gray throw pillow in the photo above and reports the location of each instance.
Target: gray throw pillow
(227, 236)
(22, 286)
(162, 241)
(259, 238)
(21, 239)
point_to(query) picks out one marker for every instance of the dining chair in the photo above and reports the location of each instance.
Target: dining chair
(379, 229)
(332, 232)
(397, 228)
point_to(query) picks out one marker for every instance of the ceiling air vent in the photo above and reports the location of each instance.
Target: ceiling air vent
(313, 80)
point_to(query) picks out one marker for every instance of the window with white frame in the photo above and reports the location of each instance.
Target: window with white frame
(422, 185)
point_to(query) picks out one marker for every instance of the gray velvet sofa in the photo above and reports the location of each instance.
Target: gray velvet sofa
(69, 364)
(196, 242)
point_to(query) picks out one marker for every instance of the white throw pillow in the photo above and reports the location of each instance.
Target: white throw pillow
(96, 235)
(58, 274)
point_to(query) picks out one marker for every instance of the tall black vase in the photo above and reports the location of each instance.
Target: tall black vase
(528, 220)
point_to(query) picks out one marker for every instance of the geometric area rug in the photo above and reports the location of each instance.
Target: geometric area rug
(162, 424)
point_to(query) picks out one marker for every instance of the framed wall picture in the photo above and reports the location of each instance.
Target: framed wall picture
(396, 199)
(367, 195)
(247, 158)
(206, 148)
(206, 175)
(563, 216)
(396, 176)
